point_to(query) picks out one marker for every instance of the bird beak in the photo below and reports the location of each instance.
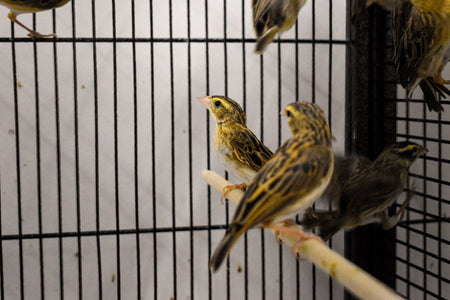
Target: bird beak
(206, 100)
(283, 112)
(424, 151)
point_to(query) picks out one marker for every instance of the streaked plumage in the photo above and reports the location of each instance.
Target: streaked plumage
(289, 182)
(421, 33)
(18, 7)
(271, 17)
(236, 146)
(367, 193)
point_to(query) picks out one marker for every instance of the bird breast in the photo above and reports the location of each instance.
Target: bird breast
(227, 157)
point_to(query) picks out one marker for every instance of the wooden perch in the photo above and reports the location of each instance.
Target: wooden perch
(348, 274)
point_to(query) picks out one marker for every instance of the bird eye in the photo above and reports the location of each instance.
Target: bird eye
(288, 114)
(217, 103)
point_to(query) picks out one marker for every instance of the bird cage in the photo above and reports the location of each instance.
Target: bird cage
(103, 144)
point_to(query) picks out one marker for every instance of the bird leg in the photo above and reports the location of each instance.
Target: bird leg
(226, 190)
(439, 78)
(283, 227)
(31, 33)
(388, 223)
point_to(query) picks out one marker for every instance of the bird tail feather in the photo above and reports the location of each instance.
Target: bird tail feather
(329, 228)
(224, 247)
(430, 89)
(263, 41)
(328, 222)
(313, 218)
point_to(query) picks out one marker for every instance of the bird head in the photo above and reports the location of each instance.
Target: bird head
(224, 109)
(403, 154)
(304, 117)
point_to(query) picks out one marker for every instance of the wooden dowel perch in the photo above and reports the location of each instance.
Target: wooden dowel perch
(348, 274)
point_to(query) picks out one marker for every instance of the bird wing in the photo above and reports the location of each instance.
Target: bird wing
(264, 12)
(249, 150)
(344, 168)
(370, 192)
(296, 170)
(414, 33)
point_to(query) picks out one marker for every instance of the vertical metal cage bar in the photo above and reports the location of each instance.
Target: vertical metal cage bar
(370, 247)
(191, 204)
(2, 282)
(116, 152)
(18, 164)
(96, 154)
(263, 248)
(136, 156)
(38, 168)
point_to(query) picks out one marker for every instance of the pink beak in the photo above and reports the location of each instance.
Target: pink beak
(206, 100)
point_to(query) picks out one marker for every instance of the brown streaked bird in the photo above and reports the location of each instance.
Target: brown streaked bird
(421, 33)
(367, 193)
(18, 7)
(236, 146)
(271, 17)
(295, 176)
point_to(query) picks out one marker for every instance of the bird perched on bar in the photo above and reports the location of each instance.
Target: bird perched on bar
(18, 7)
(295, 176)
(421, 33)
(236, 146)
(367, 193)
(271, 17)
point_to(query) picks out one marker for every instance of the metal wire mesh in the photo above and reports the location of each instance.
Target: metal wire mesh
(422, 241)
(103, 143)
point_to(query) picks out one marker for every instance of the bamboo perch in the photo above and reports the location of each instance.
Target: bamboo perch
(348, 274)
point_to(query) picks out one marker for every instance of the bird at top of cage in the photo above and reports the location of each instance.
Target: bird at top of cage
(364, 193)
(421, 34)
(18, 7)
(295, 176)
(236, 146)
(271, 17)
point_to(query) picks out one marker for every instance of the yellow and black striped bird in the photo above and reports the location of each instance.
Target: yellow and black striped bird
(18, 7)
(421, 33)
(236, 146)
(271, 17)
(366, 192)
(295, 176)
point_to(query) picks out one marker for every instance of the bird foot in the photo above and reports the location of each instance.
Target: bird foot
(226, 190)
(288, 228)
(441, 80)
(35, 34)
(395, 219)
(31, 33)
